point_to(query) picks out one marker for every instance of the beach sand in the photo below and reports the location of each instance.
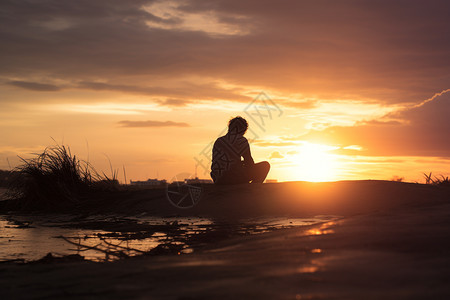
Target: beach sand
(391, 242)
(2, 192)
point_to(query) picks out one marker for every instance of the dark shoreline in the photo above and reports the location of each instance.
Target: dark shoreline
(299, 199)
(392, 243)
(381, 255)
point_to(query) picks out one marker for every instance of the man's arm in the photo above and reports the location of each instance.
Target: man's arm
(247, 155)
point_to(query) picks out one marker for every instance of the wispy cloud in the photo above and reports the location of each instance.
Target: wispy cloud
(35, 86)
(176, 15)
(275, 143)
(150, 123)
(420, 130)
(308, 104)
(275, 154)
(175, 102)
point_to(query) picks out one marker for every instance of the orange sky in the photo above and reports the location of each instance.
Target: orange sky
(360, 88)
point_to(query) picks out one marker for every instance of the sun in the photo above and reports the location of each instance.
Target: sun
(313, 162)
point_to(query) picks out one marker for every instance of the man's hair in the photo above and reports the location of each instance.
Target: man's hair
(238, 125)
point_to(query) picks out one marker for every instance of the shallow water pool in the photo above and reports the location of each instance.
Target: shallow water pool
(108, 238)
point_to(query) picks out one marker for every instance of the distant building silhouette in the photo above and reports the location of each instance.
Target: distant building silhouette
(197, 180)
(149, 182)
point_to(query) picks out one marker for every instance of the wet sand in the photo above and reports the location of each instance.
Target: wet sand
(2, 192)
(102, 238)
(392, 243)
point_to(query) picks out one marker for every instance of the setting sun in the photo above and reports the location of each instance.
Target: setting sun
(315, 163)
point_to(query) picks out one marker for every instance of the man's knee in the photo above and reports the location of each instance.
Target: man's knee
(265, 166)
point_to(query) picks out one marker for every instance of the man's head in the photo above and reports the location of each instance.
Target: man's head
(237, 125)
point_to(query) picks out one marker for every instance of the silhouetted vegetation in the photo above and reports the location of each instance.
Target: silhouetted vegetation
(437, 180)
(397, 178)
(55, 180)
(6, 177)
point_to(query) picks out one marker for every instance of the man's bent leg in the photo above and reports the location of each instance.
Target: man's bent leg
(237, 175)
(259, 172)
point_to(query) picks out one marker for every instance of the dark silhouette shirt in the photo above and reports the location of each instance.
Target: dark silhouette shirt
(227, 153)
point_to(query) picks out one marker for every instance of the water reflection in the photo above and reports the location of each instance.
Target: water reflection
(108, 238)
(307, 269)
(322, 230)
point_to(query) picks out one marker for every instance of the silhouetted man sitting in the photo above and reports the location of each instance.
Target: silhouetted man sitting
(227, 166)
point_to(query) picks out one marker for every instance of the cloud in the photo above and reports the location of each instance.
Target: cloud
(266, 143)
(175, 102)
(308, 104)
(419, 130)
(172, 16)
(181, 95)
(380, 122)
(151, 123)
(208, 91)
(35, 86)
(355, 49)
(275, 154)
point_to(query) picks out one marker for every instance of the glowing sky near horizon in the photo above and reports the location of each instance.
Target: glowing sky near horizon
(362, 85)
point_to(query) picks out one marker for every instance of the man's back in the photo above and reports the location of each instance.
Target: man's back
(227, 153)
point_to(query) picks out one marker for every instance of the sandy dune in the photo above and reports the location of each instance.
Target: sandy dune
(392, 243)
(344, 198)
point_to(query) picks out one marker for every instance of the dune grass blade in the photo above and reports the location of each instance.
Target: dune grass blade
(55, 180)
(441, 180)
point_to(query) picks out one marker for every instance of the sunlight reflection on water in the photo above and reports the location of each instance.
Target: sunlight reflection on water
(107, 238)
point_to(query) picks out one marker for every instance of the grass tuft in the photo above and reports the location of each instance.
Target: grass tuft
(397, 178)
(437, 180)
(56, 180)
